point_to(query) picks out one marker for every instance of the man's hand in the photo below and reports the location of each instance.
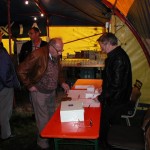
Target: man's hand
(33, 89)
(65, 87)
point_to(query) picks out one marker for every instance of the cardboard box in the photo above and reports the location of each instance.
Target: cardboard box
(71, 111)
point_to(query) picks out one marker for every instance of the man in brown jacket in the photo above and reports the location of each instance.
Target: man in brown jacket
(40, 73)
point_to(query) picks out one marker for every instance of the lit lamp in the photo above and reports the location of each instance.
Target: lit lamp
(42, 15)
(26, 2)
(35, 18)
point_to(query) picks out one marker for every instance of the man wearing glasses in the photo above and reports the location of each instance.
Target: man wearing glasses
(40, 73)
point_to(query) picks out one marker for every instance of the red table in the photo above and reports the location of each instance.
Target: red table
(88, 129)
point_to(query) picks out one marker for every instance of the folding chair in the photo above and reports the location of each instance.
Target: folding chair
(134, 101)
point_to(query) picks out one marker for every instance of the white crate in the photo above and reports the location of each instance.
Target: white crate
(71, 111)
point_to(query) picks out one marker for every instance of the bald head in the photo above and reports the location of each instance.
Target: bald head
(56, 46)
(55, 41)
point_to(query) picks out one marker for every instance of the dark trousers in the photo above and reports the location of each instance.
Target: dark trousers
(110, 115)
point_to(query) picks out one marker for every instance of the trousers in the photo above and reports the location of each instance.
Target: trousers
(6, 107)
(44, 107)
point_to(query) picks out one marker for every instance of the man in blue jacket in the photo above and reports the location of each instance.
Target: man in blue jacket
(8, 81)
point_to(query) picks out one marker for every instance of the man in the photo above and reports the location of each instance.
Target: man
(8, 81)
(40, 73)
(33, 44)
(117, 82)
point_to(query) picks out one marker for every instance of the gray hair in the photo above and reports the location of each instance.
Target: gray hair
(108, 38)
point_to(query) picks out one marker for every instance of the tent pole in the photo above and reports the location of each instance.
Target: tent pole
(9, 27)
(47, 27)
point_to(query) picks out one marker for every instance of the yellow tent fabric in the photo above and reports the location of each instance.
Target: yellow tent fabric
(77, 38)
(6, 44)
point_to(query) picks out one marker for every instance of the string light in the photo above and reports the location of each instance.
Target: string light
(42, 15)
(26, 2)
(35, 18)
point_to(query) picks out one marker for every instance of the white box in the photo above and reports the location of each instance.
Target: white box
(89, 95)
(91, 88)
(81, 87)
(71, 111)
(92, 94)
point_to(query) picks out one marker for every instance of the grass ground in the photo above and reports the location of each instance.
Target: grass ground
(22, 124)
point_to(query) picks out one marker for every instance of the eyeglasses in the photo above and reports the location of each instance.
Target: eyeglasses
(58, 51)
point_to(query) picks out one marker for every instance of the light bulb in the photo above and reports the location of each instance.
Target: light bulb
(35, 18)
(26, 2)
(42, 14)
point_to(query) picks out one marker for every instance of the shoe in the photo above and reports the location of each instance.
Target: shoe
(10, 137)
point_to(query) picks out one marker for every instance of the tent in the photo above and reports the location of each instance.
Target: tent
(80, 23)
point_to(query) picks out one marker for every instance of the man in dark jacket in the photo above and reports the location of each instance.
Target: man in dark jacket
(117, 82)
(33, 44)
(8, 81)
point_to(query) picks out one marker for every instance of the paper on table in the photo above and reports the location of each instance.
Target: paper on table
(91, 95)
(88, 102)
(80, 95)
(76, 94)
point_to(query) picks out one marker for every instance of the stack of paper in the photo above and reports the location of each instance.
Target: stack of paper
(85, 97)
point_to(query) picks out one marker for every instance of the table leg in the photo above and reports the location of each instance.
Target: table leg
(56, 144)
(96, 144)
